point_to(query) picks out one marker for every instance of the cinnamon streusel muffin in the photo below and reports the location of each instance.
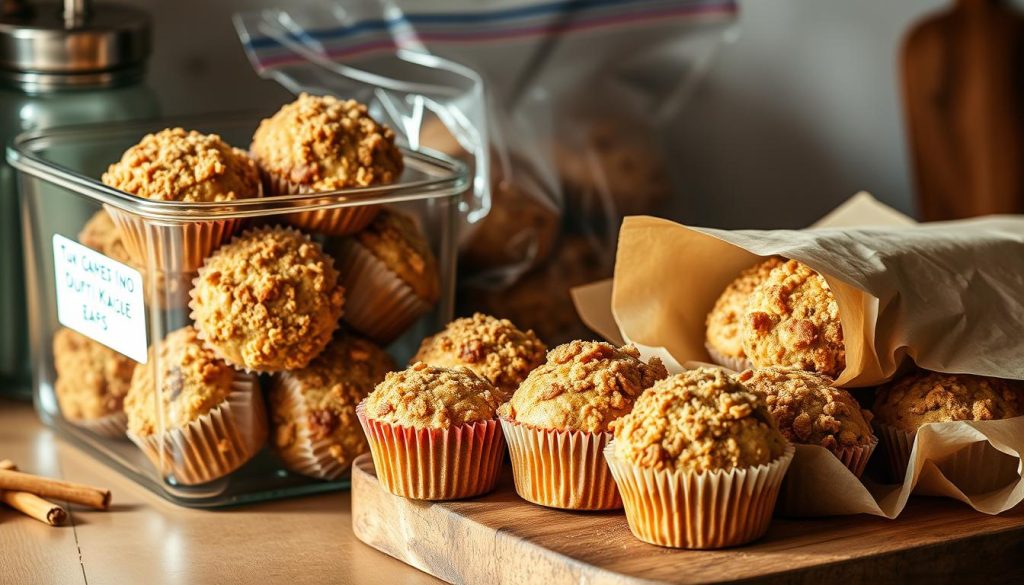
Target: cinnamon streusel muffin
(493, 348)
(921, 397)
(699, 462)
(723, 339)
(313, 410)
(810, 411)
(557, 422)
(792, 320)
(92, 381)
(432, 432)
(268, 301)
(196, 418)
(188, 167)
(390, 275)
(321, 143)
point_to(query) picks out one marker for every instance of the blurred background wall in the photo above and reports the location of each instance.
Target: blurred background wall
(798, 111)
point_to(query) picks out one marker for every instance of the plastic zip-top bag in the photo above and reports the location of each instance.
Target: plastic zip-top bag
(558, 107)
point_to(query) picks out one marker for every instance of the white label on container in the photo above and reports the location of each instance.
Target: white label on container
(100, 298)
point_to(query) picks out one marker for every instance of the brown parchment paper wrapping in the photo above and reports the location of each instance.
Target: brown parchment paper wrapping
(948, 294)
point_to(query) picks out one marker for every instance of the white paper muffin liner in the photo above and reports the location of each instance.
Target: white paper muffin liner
(216, 443)
(681, 509)
(736, 364)
(171, 248)
(339, 221)
(561, 469)
(199, 325)
(112, 426)
(379, 304)
(305, 455)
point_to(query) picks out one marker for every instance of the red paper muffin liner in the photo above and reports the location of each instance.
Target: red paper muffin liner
(216, 443)
(339, 221)
(305, 454)
(561, 469)
(380, 305)
(681, 509)
(435, 464)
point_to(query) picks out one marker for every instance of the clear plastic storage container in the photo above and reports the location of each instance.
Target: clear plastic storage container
(74, 287)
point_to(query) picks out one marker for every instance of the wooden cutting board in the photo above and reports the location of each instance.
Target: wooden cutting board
(499, 538)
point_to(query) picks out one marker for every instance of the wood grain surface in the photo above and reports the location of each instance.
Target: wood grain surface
(500, 538)
(145, 539)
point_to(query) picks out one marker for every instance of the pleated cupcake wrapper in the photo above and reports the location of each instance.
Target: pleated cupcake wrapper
(561, 469)
(113, 426)
(171, 248)
(682, 509)
(340, 221)
(216, 443)
(856, 458)
(304, 455)
(736, 364)
(435, 464)
(201, 334)
(897, 444)
(379, 304)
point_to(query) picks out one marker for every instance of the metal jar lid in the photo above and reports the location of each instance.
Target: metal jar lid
(50, 47)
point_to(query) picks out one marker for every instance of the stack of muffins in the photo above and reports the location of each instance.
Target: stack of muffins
(303, 304)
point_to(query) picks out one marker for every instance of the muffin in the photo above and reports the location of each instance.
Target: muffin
(171, 289)
(792, 320)
(904, 405)
(810, 411)
(723, 340)
(493, 348)
(433, 434)
(390, 275)
(187, 167)
(321, 144)
(196, 418)
(313, 410)
(91, 384)
(557, 422)
(267, 302)
(698, 461)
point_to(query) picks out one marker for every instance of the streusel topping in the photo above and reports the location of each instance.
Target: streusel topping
(723, 322)
(175, 165)
(583, 386)
(494, 348)
(792, 320)
(92, 379)
(924, 397)
(699, 420)
(809, 410)
(192, 382)
(423, 396)
(268, 301)
(326, 144)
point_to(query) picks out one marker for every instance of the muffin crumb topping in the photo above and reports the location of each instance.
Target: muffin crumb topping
(423, 396)
(924, 397)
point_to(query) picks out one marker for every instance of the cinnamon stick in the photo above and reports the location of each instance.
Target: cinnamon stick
(31, 504)
(75, 493)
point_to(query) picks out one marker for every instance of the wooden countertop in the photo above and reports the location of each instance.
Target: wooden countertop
(144, 539)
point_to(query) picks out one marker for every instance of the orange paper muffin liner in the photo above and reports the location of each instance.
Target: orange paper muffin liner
(112, 426)
(435, 464)
(681, 509)
(561, 469)
(175, 248)
(305, 455)
(736, 364)
(339, 221)
(380, 305)
(216, 443)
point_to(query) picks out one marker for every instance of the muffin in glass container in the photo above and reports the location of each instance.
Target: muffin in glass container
(313, 410)
(92, 381)
(557, 423)
(699, 462)
(433, 433)
(319, 144)
(183, 166)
